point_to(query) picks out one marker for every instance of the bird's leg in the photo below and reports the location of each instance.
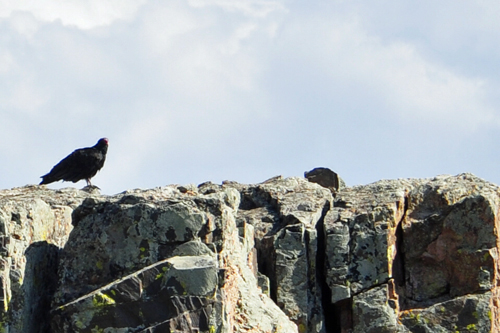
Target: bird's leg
(88, 182)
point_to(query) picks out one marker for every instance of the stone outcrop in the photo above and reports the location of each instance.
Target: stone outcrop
(415, 256)
(286, 255)
(35, 224)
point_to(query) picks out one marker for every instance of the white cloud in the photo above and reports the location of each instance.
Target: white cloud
(257, 8)
(418, 89)
(205, 55)
(6, 61)
(25, 97)
(24, 23)
(412, 86)
(84, 14)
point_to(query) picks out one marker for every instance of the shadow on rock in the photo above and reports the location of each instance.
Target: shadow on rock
(32, 303)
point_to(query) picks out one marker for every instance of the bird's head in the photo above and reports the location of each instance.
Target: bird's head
(103, 142)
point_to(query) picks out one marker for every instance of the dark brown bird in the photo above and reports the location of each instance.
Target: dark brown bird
(81, 164)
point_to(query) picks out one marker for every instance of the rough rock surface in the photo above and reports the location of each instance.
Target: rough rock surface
(415, 256)
(285, 255)
(34, 225)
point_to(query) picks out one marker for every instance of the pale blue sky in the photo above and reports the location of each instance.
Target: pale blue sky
(191, 91)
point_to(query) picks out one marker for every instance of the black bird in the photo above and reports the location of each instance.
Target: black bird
(81, 164)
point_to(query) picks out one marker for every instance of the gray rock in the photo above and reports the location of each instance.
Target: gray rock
(168, 295)
(471, 313)
(175, 264)
(285, 214)
(35, 223)
(360, 233)
(372, 313)
(393, 247)
(286, 255)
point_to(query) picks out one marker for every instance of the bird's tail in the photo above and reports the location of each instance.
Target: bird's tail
(46, 180)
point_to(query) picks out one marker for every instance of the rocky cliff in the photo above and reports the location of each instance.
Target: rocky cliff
(286, 255)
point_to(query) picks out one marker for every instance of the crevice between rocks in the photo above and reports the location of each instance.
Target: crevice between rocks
(40, 284)
(331, 312)
(398, 265)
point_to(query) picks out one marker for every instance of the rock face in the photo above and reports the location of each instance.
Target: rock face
(34, 225)
(285, 255)
(415, 256)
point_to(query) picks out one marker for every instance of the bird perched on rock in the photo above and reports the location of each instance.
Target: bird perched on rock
(81, 164)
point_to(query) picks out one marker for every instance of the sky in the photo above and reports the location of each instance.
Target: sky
(244, 90)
